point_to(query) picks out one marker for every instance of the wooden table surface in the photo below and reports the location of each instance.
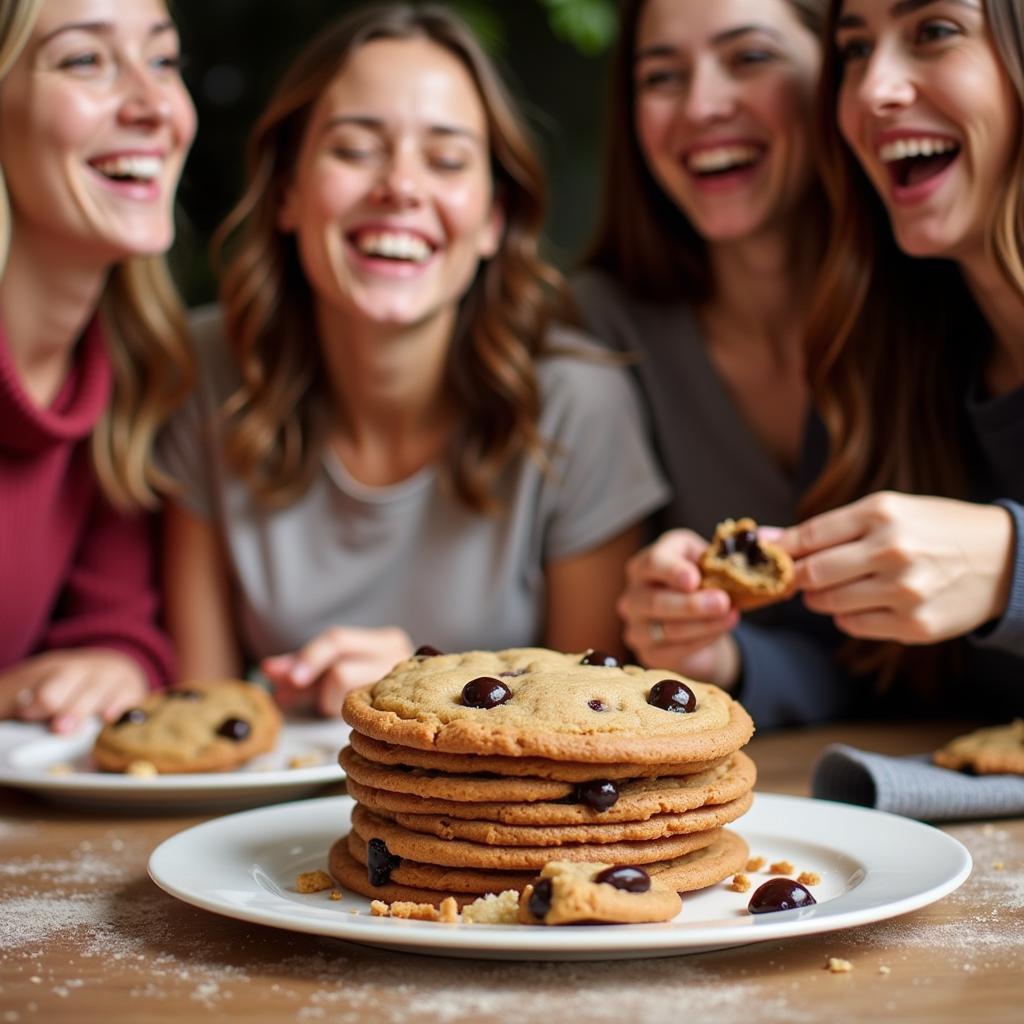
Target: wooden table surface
(86, 936)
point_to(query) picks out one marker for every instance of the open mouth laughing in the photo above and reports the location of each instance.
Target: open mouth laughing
(709, 163)
(914, 160)
(134, 168)
(400, 247)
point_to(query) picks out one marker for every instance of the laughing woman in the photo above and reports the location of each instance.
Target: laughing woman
(95, 124)
(917, 347)
(387, 444)
(711, 231)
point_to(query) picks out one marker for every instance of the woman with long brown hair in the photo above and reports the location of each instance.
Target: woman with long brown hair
(95, 124)
(393, 444)
(916, 346)
(711, 230)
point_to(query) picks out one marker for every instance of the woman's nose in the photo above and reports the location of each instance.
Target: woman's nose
(711, 96)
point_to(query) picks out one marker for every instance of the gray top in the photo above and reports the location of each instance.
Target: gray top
(716, 466)
(410, 554)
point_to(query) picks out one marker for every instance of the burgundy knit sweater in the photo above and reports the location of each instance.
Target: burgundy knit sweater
(73, 572)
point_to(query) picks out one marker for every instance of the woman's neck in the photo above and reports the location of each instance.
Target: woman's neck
(1002, 305)
(46, 305)
(390, 415)
(760, 289)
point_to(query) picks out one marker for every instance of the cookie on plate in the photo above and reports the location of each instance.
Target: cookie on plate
(569, 892)
(207, 727)
(994, 751)
(530, 702)
(753, 572)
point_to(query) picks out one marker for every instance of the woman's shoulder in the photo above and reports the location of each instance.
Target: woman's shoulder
(577, 370)
(218, 373)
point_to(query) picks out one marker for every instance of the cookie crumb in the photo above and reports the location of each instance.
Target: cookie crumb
(335, 895)
(406, 910)
(304, 761)
(313, 881)
(141, 769)
(809, 878)
(781, 867)
(999, 866)
(740, 883)
(448, 911)
(502, 908)
(837, 965)
(60, 768)
(885, 969)
(755, 863)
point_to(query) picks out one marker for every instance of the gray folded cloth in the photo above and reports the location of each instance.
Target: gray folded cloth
(913, 786)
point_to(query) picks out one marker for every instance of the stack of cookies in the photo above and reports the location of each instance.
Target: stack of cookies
(472, 771)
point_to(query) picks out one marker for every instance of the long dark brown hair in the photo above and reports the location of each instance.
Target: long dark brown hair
(276, 421)
(891, 337)
(642, 238)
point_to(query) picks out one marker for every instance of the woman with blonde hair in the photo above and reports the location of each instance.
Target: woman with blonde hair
(394, 444)
(95, 124)
(915, 541)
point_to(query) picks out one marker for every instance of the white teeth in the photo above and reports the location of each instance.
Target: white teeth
(925, 145)
(721, 158)
(142, 168)
(394, 245)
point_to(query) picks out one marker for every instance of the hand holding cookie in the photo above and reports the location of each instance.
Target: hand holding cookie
(902, 567)
(669, 620)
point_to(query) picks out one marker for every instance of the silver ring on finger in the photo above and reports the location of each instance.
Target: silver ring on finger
(656, 631)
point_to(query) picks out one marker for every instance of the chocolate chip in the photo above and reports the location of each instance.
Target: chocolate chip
(234, 729)
(779, 894)
(380, 862)
(426, 651)
(597, 705)
(133, 716)
(598, 794)
(672, 695)
(628, 878)
(743, 542)
(540, 899)
(594, 657)
(485, 692)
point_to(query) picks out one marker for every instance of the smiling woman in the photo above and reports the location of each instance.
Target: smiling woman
(393, 438)
(95, 125)
(918, 364)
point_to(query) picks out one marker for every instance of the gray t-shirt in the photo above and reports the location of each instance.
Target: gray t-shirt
(410, 554)
(715, 464)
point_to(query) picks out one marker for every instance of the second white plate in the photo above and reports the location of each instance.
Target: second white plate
(59, 768)
(873, 866)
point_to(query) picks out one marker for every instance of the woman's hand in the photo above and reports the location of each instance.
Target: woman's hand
(670, 622)
(907, 568)
(333, 664)
(67, 687)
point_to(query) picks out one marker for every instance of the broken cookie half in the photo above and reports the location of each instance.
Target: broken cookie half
(752, 571)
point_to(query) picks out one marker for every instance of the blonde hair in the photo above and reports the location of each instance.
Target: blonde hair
(275, 421)
(145, 330)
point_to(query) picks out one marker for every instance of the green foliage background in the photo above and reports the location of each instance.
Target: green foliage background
(552, 52)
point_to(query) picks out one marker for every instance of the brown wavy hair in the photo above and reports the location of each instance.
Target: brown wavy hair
(890, 337)
(276, 420)
(146, 336)
(642, 238)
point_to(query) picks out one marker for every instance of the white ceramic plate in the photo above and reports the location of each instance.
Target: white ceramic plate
(873, 866)
(29, 755)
